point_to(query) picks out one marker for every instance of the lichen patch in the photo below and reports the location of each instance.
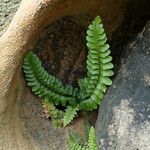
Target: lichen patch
(147, 79)
(123, 133)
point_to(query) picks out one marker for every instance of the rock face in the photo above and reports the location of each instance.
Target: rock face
(7, 9)
(124, 115)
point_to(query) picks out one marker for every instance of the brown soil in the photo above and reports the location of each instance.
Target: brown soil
(62, 49)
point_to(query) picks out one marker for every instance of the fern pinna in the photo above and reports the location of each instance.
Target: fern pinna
(91, 88)
(98, 67)
(75, 142)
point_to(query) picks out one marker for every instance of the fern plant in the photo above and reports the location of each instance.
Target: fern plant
(91, 89)
(98, 67)
(58, 117)
(75, 142)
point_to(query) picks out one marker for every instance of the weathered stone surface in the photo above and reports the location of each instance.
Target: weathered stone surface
(13, 135)
(7, 9)
(124, 116)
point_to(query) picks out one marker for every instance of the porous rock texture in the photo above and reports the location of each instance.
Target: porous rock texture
(124, 116)
(32, 17)
(30, 20)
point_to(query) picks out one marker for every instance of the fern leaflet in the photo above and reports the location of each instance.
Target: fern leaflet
(69, 114)
(55, 114)
(75, 142)
(92, 140)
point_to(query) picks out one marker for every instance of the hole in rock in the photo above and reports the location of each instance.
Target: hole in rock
(62, 49)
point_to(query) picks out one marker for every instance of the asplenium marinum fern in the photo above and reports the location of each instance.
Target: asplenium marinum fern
(92, 87)
(46, 85)
(69, 114)
(51, 111)
(98, 67)
(59, 118)
(76, 143)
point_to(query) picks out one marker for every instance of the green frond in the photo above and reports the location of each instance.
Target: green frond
(69, 114)
(51, 109)
(98, 67)
(75, 142)
(45, 85)
(57, 122)
(83, 94)
(55, 114)
(92, 140)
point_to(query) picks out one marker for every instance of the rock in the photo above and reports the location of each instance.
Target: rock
(7, 10)
(124, 115)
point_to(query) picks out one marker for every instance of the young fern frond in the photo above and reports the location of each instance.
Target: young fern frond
(55, 114)
(45, 85)
(69, 114)
(92, 140)
(98, 67)
(51, 109)
(75, 142)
